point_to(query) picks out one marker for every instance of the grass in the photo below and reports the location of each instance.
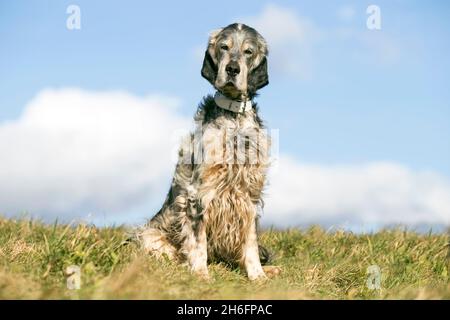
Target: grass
(316, 265)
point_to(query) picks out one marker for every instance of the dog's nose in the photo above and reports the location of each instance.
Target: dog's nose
(232, 68)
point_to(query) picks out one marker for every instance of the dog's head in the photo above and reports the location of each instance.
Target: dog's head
(235, 61)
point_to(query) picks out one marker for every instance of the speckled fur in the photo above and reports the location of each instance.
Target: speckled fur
(211, 210)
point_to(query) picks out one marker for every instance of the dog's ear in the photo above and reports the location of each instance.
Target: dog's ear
(258, 77)
(209, 68)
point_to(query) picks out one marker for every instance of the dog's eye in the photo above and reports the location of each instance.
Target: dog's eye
(248, 52)
(224, 47)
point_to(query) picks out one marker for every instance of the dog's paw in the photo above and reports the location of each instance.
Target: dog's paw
(260, 276)
(204, 277)
(202, 274)
(272, 271)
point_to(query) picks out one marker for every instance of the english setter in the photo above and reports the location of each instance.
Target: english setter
(212, 208)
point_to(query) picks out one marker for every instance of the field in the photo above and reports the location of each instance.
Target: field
(316, 265)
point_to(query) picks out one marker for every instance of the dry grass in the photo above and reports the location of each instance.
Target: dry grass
(316, 265)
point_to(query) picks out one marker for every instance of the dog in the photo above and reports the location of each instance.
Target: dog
(211, 211)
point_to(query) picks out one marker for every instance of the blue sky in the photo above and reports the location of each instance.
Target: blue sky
(356, 96)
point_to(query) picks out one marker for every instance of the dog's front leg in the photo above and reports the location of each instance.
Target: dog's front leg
(251, 260)
(194, 245)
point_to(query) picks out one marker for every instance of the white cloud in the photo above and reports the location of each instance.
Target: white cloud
(290, 37)
(373, 194)
(368, 46)
(198, 53)
(379, 48)
(74, 152)
(296, 41)
(346, 13)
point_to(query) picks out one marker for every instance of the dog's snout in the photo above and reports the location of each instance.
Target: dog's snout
(232, 68)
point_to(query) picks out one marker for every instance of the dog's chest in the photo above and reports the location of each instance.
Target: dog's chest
(230, 175)
(235, 158)
(237, 141)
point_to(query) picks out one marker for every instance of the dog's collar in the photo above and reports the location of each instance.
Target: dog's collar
(232, 105)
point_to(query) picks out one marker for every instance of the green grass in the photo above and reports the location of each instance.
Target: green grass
(316, 265)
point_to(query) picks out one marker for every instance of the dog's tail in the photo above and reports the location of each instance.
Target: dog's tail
(265, 256)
